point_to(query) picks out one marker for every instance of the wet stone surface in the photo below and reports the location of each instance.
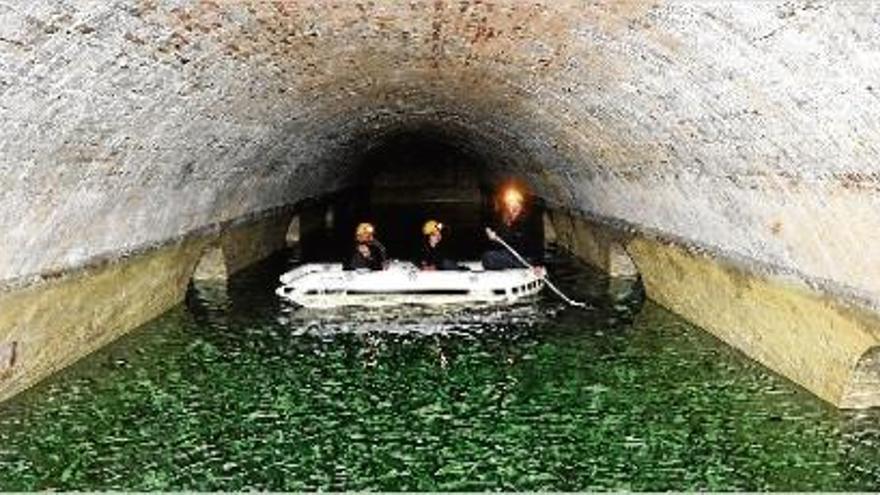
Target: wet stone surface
(233, 390)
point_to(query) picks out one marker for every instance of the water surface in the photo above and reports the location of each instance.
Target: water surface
(234, 390)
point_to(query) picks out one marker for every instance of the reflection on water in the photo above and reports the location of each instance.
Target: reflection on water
(236, 390)
(415, 320)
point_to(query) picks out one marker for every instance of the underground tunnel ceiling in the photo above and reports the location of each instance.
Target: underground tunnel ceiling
(743, 128)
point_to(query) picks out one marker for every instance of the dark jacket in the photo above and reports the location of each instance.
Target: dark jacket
(515, 236)
(436, 257)
(375, 261)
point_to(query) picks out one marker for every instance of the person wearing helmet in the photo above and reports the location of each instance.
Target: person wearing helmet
(369, 253)
(433, 251)
(511, 229)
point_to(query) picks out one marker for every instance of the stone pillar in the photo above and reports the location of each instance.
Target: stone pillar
(293, 232)
(593, 243)
(212, 266)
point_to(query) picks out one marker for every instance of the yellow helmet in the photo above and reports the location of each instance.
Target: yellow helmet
(431, 226)
(364, 230)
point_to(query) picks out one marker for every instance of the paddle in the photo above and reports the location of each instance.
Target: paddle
(493, 236)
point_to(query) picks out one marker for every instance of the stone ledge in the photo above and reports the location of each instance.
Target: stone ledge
(811, 338)
(826, 342)
(54, 324)
(215, 231)
(48, 326)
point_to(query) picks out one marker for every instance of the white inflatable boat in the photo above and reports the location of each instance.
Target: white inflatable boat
(322, 285)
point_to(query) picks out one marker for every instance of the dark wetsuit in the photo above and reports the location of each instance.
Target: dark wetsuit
(498, 257)
(435, 258)
(375, 261)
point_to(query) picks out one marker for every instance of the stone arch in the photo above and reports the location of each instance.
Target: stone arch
(615, 115)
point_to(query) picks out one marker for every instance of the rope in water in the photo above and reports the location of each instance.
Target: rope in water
(568, 300)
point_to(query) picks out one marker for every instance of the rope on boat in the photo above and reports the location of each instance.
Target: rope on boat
(568, 300)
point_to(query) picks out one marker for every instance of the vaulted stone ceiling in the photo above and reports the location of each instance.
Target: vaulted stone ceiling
(748, 129)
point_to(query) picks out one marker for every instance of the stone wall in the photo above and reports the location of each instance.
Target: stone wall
(48, 325)
(56, 322)
(812, 339)
(825, 345)
(740, 130)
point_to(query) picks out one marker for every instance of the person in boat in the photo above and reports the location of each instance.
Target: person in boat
(369, 253)
(511, 229)
(434, 255)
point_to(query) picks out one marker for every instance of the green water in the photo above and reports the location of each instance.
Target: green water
(234, 390)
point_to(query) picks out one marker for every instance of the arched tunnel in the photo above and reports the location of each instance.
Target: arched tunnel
(725, 152)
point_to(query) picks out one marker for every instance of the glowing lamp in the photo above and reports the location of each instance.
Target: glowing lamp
(512, 196)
